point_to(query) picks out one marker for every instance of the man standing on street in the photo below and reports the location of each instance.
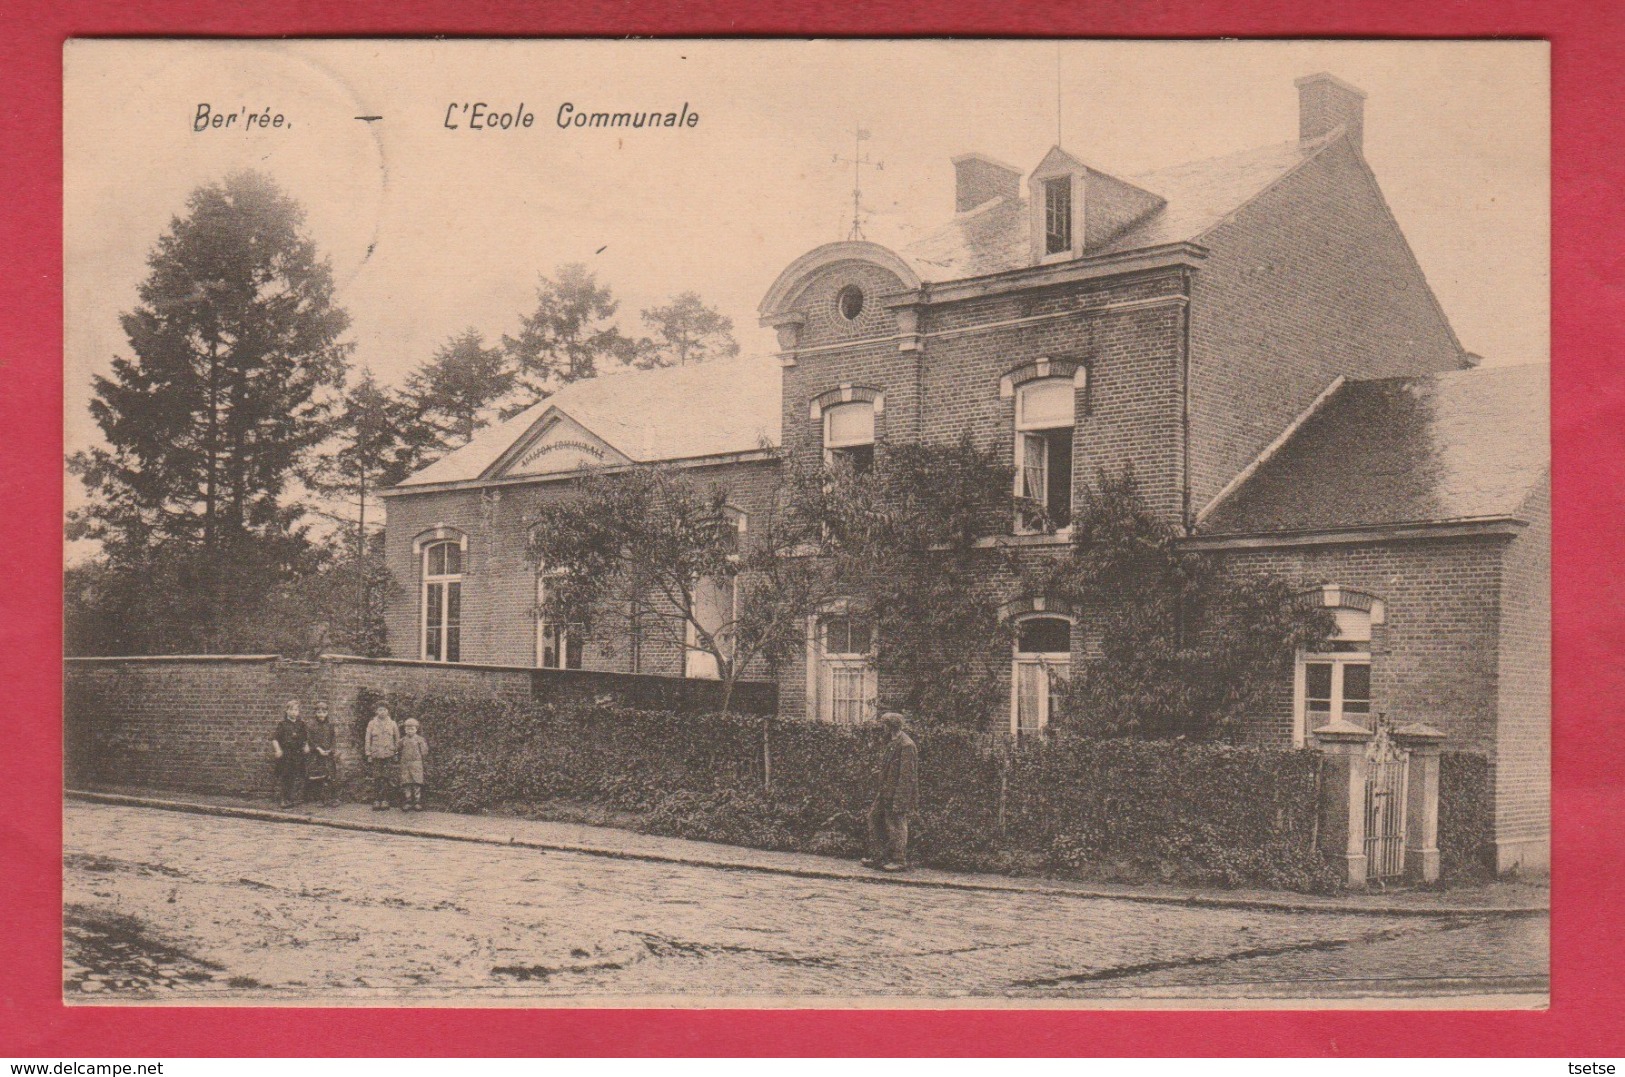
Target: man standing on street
(383, 745)
(894, 799)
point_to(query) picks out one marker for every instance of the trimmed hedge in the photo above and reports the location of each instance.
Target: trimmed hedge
(1198, 813)
(1466, 817)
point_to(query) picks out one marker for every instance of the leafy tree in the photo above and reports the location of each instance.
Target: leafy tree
(340, 607)
(1186, 647)
(650, 553)
(686, 331)
(236, 349)
(454, 394)
(570, 331)
(904, 536)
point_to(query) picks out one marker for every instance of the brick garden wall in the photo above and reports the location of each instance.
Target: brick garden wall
(195, 723)
(203, 723)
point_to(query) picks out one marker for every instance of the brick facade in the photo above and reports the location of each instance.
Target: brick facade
(1466, 649)
(1523, 735)
(499, 579)
(1435, 659)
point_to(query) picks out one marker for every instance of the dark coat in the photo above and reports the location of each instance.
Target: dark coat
(319, 764)
(899, 789)
(292, 738)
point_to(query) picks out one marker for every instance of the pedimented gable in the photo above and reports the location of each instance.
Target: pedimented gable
(555, 445)
(1058, 162)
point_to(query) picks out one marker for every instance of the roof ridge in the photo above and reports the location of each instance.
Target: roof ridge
(1331, 137)
(1214, 158)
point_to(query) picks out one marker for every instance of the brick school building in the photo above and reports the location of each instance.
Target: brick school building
(1252, 334)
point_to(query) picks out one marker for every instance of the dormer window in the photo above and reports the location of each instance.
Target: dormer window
(1058, 215)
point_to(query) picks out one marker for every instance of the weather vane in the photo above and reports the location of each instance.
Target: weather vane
(859, 160)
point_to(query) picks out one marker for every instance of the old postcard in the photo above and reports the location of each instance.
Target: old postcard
(807, 523)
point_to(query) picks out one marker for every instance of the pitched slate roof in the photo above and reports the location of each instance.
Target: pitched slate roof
(1456, 446)
(672, 413)
(1200, 196)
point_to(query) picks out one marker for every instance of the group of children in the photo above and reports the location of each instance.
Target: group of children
(306, 766)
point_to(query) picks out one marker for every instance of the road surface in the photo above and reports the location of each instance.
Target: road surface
(174, 907)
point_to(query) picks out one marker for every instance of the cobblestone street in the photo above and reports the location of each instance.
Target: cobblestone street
(177, 907)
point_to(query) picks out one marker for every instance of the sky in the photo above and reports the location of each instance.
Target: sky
(432, 229)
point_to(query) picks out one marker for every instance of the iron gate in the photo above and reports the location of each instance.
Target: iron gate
(1387, 773)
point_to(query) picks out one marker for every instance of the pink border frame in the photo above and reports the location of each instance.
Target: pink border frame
(1588, 430)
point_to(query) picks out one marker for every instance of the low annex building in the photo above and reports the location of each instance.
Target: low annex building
(1252, 334)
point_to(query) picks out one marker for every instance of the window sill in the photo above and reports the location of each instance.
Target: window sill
(1063, 537)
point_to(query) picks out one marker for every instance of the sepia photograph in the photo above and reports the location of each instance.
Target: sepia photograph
(807, 523)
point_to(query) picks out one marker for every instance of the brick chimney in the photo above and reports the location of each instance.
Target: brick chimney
(1326, 102)
(978, 178)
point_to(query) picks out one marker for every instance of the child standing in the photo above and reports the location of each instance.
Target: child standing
(414, 753)
(321, 775)
(289, 746)
(383, 748)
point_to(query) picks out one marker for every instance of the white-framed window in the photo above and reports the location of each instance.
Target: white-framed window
(1058, 215)
(1042, 659)
(558, 643)
(1334, 684)
(1045, 417)
(842, 663)
(441, 602)
(849, 434)
(716, 608)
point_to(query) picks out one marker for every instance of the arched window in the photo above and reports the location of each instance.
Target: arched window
(841, 665)
(716, 609)
(849, 435)
(1334, 684)
(558, 642)
(1042, 659)
(1044, 421)
(442, 601)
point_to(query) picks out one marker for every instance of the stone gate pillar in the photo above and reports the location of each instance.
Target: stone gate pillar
(1342, 808)
(1421, 800)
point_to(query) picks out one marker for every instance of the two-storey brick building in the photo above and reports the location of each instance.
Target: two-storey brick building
(1251, 334)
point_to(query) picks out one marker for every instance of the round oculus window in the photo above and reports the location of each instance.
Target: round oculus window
(849, 301)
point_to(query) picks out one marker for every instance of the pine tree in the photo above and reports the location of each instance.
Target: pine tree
(235, 350)
(453, 394)
(686, 331)
(567, 335)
